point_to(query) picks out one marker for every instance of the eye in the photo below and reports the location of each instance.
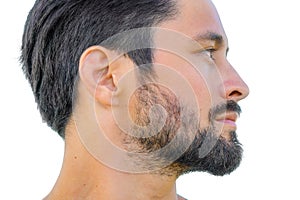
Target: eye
(210, 52)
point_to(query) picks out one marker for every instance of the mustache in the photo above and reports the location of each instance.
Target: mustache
(229, 106)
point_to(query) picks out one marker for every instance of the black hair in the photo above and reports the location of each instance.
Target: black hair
(57, 32)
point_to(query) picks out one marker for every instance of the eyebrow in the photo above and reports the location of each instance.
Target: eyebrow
(211, 36)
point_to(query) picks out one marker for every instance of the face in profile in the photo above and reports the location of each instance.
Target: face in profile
(182, 118)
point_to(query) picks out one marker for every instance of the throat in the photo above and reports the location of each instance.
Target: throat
(92, 181)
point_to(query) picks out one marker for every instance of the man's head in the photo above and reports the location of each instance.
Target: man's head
(97, 67)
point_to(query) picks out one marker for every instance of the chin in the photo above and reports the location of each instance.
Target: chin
(223, 157)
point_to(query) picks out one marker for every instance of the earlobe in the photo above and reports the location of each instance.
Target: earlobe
(95, 74)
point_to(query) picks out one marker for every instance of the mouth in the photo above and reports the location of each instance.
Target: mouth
(228, 118)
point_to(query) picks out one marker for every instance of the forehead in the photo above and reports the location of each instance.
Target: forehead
(196, 17)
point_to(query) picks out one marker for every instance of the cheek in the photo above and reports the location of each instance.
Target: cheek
(198, 78)
(204, 97)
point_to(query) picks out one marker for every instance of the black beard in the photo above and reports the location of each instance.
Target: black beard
(205, 152)
(223, 158)
(210, 153)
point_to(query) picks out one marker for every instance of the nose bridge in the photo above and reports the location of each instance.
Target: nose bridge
(234, 88)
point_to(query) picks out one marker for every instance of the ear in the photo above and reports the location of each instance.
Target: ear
(96, 75)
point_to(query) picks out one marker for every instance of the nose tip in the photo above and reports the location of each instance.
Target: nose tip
(236, 90)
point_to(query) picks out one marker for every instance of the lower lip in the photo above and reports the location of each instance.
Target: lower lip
(228, 122)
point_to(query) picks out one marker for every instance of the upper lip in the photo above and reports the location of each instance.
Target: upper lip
(232, 116)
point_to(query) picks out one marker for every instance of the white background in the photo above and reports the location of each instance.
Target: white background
(264, 46)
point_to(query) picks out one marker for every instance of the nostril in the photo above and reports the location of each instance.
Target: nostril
(235, 93)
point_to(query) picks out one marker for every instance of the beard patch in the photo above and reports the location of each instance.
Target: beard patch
(221, 156)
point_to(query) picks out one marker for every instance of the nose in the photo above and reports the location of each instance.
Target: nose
(234, 88)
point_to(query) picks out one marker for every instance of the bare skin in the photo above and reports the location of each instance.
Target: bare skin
(84, 177)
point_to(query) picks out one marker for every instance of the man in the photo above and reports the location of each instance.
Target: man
(141, 91)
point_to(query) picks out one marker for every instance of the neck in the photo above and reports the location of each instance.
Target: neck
(83, 177)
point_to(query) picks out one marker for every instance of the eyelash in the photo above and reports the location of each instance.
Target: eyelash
(210, 51)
